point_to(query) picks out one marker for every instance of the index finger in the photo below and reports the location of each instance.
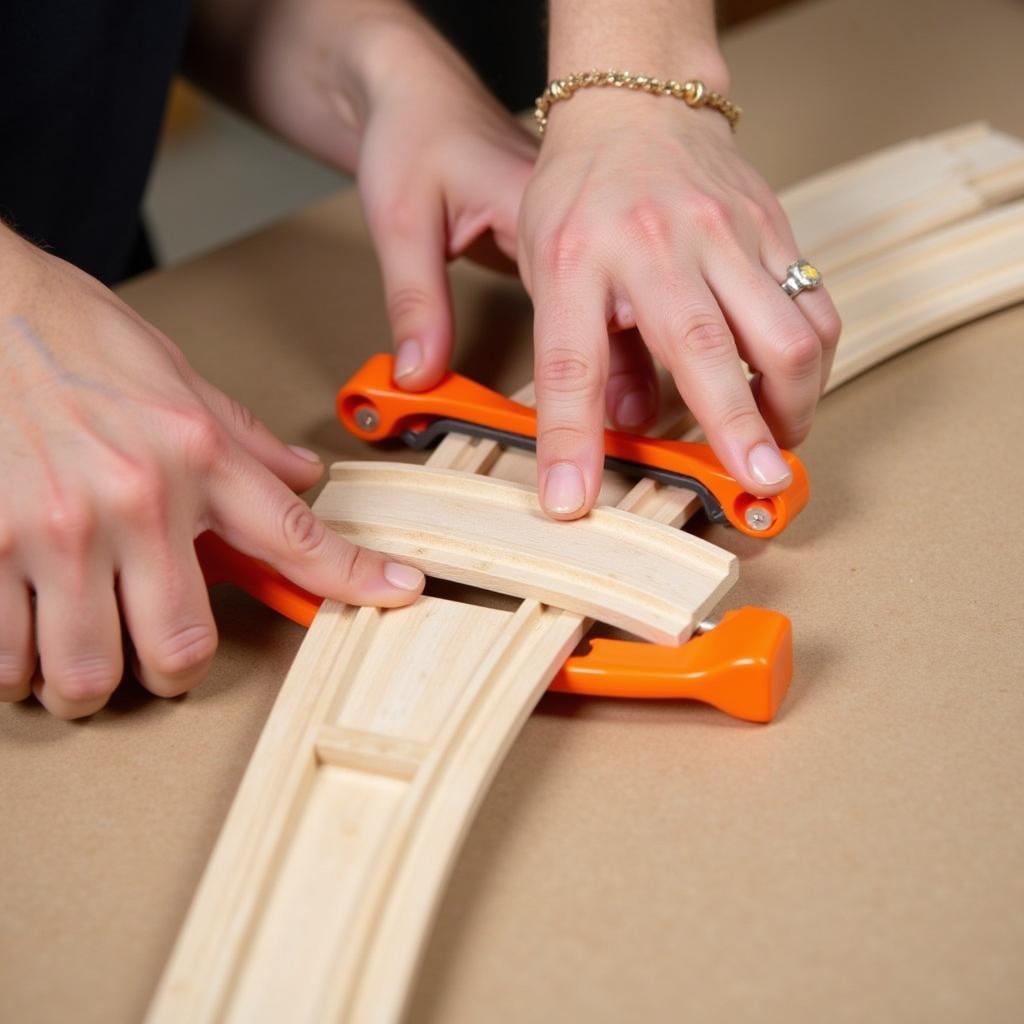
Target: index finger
(570, 375)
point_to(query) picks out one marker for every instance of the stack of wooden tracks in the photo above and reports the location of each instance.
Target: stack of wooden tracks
(390, 725)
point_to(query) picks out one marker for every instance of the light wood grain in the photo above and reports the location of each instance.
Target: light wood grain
(928, 286)
(860, 209)
(612, 566)
(318, 897)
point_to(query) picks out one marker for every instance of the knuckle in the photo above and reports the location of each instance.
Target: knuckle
(399, 216)
(356, 564)
(69, 523)
(242, 418)
(563, 251)
(563, 371)
(137, 492)
(739, 419)
(560, 439)
(87, 678)
(406, 303)
(711, 214)
(202, 437)
(797, 429)
(184, 649)
(705, 336)
(800, 354)
(304, 533)
(758, 215)
(649, 224)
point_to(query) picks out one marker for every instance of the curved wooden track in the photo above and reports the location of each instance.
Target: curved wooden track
(612, 566)
(854, 212)
(389, 727)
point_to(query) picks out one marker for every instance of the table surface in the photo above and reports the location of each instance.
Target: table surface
(859, 859)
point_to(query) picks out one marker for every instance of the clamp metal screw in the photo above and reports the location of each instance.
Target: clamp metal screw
(367, 418)
(758, 518)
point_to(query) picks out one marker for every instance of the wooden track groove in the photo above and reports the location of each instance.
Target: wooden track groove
(931, 285)
(860, 209)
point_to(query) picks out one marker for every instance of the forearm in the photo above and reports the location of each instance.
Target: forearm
(660, 38)
(309, 69)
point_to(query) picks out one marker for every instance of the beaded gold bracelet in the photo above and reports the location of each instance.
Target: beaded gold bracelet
(693, 93)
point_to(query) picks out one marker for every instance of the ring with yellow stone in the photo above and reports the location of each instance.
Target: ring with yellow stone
(801, 276)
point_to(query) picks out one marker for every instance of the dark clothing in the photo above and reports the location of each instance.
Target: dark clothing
(503, 41)
(83, 85)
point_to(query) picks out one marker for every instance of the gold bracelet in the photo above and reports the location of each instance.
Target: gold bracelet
(693, 93)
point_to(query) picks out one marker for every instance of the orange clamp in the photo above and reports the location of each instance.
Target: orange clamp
(221, 563)
(371, 407)
(743, 666)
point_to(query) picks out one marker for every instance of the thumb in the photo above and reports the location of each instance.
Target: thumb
(411, 248)
(256, 514)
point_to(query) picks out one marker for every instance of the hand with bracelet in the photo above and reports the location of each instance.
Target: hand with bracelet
(641, 229)
(644, 233)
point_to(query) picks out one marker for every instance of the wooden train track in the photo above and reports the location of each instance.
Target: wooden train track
(386, 734)
(854, 212)
(930, 285)
(641, 576)
(389, 727)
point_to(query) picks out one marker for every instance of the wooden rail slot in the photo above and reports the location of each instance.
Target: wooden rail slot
(860, 209)
(928, 286)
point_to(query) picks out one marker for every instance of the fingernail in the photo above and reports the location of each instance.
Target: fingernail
(563, 488)
(408, 359)
(768, 465)
(635, 408)
(304, 453)
(405, 577)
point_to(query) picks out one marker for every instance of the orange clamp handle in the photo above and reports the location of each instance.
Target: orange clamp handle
(221, 563)
(371, 407)
(743, 666)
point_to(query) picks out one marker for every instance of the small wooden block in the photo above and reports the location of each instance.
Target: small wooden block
(612, 565)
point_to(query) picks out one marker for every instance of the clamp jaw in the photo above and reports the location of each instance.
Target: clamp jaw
(371, 407)
(742, 666)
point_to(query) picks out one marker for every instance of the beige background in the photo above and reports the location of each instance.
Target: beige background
(858, 860)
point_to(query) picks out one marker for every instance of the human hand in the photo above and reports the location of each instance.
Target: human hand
(115, 455)
(641, 214)
(441, 172)
(370, 87)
